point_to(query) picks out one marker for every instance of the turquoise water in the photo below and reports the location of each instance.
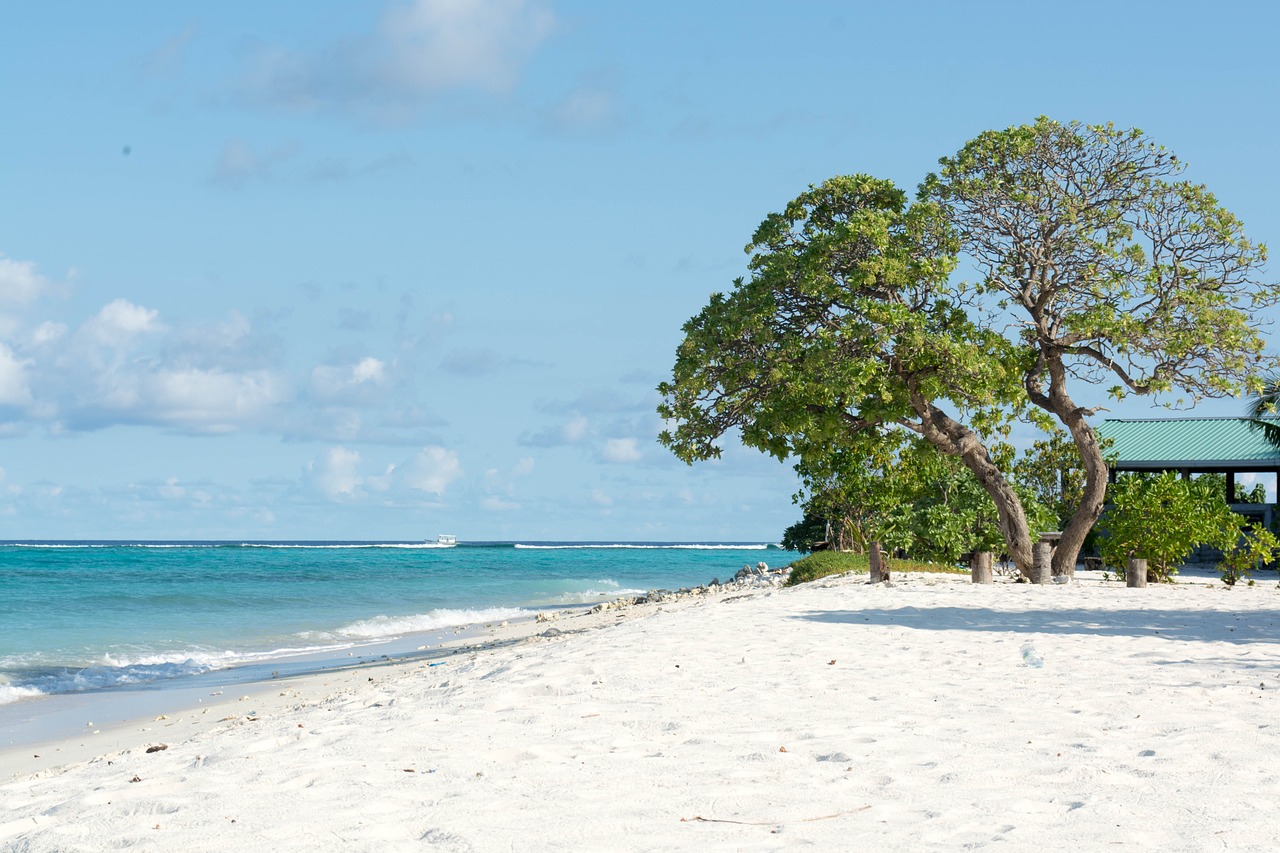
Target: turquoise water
(94, 615)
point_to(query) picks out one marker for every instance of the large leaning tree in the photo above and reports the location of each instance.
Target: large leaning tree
(847, 328)
(1112, 270)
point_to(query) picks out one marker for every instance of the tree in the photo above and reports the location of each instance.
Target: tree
(864, 488)
(952, 516)
(1262, 412)
(1114, 269)
(846, 328)
(805, 533)
(1050, 471)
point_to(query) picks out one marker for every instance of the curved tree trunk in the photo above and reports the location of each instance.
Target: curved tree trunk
(1012, 517)
(1059, 403)
(1091, 500)
(955, 439)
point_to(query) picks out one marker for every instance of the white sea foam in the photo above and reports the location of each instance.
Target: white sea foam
(14, 693)
(120, 670)
(588, 596)
(391, 626)
(641, 547)
(411, 546)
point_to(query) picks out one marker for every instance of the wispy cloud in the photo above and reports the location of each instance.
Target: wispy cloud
(415, 53)
(590, 107)
(240, 163)
(482, 362)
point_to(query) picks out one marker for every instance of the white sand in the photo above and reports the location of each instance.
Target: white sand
(835, 716)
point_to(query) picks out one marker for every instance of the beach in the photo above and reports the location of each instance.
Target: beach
(836, 715)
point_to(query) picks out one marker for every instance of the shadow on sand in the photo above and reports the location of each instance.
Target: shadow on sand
(1254, 626)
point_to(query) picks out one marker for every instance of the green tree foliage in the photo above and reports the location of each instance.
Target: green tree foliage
(865, 488)
(1162, 518)
(847, 326)
(1263, 410)
(805, 533)
(1116, 270)
(952, 516)
(1050, 470)
(909, 498)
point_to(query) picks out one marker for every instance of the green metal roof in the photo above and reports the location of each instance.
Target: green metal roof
(1200, 444)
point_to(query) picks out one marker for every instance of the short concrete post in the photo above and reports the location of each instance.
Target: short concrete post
(1136, 575)
(1042, 566)
(876, 559)
(980, 567)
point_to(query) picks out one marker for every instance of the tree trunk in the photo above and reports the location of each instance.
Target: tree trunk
(1042, 571)
(1012, 518)
(1136, 573)
(955, 439)
(1059, 403)
(980, 567)
(1091, 499)
(878, 572)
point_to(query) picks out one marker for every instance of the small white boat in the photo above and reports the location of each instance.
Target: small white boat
(444, 540)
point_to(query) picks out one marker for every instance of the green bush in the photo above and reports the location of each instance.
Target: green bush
(821, 564)
(1256, 549)
(1162, 518)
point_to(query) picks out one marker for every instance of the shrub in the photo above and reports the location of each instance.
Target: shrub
(1256, 549)
(1162, 518)
(821, 564)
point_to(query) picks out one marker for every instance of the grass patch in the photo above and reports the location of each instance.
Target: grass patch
(822, 564)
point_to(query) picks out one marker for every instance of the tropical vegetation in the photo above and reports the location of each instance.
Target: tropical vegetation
(856, 348)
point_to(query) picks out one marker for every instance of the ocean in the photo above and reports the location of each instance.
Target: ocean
(81, 617)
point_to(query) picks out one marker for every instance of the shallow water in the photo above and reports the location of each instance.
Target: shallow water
(79, 616)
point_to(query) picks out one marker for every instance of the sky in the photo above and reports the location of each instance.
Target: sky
(336, 270)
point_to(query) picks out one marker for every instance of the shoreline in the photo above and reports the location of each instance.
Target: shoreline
(45, 732)
(836, 713)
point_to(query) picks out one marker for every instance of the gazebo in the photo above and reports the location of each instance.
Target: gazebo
(1194, 446)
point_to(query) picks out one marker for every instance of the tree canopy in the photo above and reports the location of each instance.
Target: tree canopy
(1114, 270)
(847, 325)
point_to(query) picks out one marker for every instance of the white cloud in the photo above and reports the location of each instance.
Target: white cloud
(575, 430)
(20, 284)
(119, 321)
(336, 474)
(599, 498)
(493, 503)
(339, 475)
(14, 390)
(523, 468)
(211, 400)
(48, 333)
(621, 450)
(349, 382)
(417, 51)
(432, 469)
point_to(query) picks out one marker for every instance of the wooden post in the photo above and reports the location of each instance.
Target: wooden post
(1042, 567)
(1136, 575)
(878, 572)
(980, 567)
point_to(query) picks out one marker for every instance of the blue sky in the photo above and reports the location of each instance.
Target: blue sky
(383, 270)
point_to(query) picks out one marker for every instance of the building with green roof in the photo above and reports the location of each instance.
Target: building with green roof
(1193, 446)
